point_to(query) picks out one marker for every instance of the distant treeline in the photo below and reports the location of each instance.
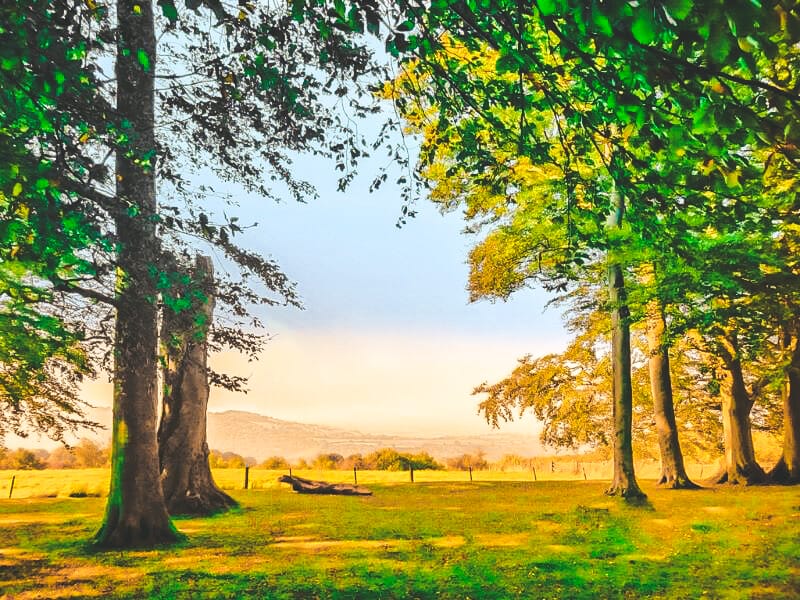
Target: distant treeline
(84, 455)
(387, 459)
(87, 454)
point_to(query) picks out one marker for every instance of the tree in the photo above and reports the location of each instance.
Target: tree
(569, 393)
(787, 469)
(89, 455)
(136, 513)
(61, 458)
(673, 471)
(219, 106)
(186, 478)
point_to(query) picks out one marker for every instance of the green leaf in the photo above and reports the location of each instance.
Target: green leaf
(601, 21)
(644, 27)
(719, 45)
(7, 63)
(679, 9)
(546, 7)
(703, 119)
(508, 62)
(169, 10)
(144, 60)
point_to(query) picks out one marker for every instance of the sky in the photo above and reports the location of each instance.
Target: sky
(387, 341)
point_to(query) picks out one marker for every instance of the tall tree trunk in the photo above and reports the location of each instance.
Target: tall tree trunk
(673, 471)
(136, 515)
(624, 483)
(740, 460)
(787, 469)
(186, 479)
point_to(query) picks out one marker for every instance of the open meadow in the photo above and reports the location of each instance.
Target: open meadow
(437, 538)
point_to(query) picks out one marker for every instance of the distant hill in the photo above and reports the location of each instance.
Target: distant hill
(258, 436)
(250, 434)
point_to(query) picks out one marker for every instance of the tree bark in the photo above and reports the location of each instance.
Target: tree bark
(186, 479)
(673, 471)
(136, 515)
(740, 462)
(624, 483)
(787, 469)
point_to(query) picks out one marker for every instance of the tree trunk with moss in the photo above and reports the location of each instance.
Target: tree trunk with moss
(787, 469)
(188, 485)
(136, 515)
(624, 482)
(673, 471)
(740, 466)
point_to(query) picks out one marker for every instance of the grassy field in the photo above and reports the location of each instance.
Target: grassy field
(490, 539)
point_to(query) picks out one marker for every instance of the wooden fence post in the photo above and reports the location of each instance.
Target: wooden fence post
(246, 476)
(355, 476)
(470, 472)
(534, 471)
(411, 469)
(11, 491)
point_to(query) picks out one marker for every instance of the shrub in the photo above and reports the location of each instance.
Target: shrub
(275, 463)
(89, 455)
(465, 461)
(325, 462)
(389, 459)
(226, 460)
(24, 460)
(61, 458)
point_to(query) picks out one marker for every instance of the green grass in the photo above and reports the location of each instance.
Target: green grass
(447, 539)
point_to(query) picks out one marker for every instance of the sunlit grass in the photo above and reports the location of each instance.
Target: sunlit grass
(445, 539)
(93, 482)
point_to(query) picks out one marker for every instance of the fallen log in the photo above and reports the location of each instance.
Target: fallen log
(308, 486)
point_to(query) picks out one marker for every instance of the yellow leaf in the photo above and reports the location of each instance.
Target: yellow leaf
(719, 87)
(626, 133)
(137, 9)
(242, 15)
(732, 178)
(745, 44)
(707, 167)
(84, 138)
(17, 189)
(229, 78)
(784, 185)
